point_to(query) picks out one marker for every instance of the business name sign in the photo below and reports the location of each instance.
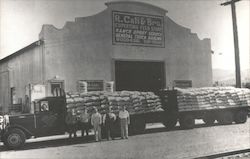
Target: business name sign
(138, 29)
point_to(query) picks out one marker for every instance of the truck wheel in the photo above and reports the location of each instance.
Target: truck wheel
(14, 138)
(208, 119)
(187, 121)
(225, 118)
(240, 117)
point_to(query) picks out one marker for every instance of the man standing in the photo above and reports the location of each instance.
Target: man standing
(71, 122)
(96, 121)
(124, 121)
(108, 121)
(84, 122)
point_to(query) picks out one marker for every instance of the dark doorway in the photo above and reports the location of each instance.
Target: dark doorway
(139, 75)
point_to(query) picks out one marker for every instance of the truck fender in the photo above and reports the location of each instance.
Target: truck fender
(26, 132)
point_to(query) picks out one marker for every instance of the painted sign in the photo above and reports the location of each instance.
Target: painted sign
(138, 29)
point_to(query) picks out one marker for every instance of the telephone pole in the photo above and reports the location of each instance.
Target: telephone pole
(236, 44)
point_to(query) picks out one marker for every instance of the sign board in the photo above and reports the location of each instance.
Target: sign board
(92, 85)
(38, 91)
(183, 83)
(137, 29)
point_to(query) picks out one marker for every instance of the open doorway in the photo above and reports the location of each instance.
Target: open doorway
(139, 75)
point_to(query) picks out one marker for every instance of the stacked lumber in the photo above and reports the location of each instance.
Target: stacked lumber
(212, 98)
(135, 102)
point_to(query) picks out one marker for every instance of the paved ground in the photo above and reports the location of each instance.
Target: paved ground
(156, 143)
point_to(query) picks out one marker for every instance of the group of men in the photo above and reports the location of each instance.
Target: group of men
(100, 123)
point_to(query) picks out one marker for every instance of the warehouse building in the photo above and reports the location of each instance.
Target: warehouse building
(134, 44)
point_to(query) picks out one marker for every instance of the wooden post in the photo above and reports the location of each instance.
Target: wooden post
(236, 44)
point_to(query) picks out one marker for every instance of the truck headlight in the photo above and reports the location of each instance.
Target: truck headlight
(4, 121)
(1, 122)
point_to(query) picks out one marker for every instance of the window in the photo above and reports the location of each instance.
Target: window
(55, 86)
(13, 95)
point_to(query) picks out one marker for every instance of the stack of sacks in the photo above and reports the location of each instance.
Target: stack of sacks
(118, 99)
(212, 98)
(135, 102)
(88, 100)
(153, 102)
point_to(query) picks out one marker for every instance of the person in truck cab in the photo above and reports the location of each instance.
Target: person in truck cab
(71, 121)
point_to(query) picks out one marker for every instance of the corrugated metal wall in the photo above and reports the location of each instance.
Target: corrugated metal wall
(21, 70)
(4, 90)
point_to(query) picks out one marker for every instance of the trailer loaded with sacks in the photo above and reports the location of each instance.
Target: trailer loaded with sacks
(222, 104)
(225, 105)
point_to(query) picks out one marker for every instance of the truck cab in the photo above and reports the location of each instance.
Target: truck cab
(48, 118)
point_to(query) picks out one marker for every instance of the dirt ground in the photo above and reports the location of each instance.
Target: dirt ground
(156, 142)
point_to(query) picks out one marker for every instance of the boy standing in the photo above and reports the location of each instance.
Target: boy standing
(124, 121)
(96, 121)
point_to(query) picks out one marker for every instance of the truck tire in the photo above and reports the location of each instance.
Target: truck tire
(240, 117)
(225, 118)
(14, 138)
(187, 121)
(209, 119)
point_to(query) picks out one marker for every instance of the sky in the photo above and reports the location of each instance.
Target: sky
(21, 22)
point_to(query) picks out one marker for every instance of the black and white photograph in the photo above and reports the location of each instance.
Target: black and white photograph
(124, 79)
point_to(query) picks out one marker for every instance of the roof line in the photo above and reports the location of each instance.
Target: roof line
(32, 45)
(135, 2)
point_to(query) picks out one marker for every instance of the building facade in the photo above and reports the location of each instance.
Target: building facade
(134, 44)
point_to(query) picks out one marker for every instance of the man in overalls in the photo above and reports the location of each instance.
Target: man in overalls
(71, 121)
(108, 122)
(96, 121)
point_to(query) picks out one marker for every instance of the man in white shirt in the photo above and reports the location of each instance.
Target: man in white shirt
(96, 121)
(125, 121)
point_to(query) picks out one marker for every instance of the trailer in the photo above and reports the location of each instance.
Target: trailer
(223, 114)
(172, 114)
